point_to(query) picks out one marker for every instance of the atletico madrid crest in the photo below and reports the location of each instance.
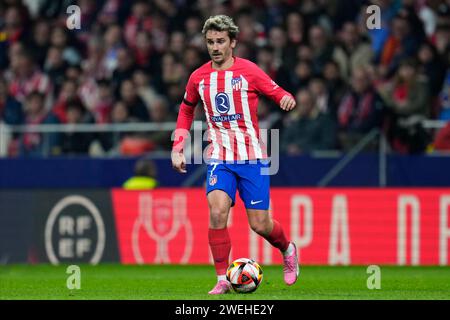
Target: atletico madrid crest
(236, 83)
(212, 180)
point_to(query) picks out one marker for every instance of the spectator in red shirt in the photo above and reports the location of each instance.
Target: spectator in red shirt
(24, 77)
(68, 93)
(139, 19)
(442, 139)
(408, 103)
(360, 110)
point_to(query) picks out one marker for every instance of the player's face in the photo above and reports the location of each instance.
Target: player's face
(220, 46)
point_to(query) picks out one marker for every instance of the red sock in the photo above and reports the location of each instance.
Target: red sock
(277, 238)
(220, 244)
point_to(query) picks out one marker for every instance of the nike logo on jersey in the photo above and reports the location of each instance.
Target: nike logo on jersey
(255, 202)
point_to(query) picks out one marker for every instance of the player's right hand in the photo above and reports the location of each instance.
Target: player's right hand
(287, 103)
(178, 162)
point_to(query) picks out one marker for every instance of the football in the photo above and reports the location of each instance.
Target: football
(245, 275)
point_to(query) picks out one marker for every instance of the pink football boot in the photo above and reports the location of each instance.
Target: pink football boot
(291, 268)
(221, 287)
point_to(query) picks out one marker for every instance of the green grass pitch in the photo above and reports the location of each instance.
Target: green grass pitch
(167, 282)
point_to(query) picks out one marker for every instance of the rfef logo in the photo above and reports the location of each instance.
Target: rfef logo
(74, 231)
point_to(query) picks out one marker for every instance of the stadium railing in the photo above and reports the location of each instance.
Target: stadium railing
(7, 131)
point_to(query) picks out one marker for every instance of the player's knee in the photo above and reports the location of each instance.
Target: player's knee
(218, 216)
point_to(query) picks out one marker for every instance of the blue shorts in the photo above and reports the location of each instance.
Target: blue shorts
(246, 177)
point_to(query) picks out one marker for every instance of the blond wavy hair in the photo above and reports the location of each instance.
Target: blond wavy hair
(221, 23)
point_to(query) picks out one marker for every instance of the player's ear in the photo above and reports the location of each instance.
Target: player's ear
(233, 43)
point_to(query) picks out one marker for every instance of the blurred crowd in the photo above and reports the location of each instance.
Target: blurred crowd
(130, 61)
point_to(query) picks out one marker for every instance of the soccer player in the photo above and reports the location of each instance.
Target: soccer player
(228, 87)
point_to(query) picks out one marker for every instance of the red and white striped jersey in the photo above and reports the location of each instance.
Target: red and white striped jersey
(230, 102)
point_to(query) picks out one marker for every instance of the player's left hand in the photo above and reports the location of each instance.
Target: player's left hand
(287, 103)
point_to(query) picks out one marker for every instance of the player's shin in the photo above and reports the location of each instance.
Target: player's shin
(277, 237)
(220, 244)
